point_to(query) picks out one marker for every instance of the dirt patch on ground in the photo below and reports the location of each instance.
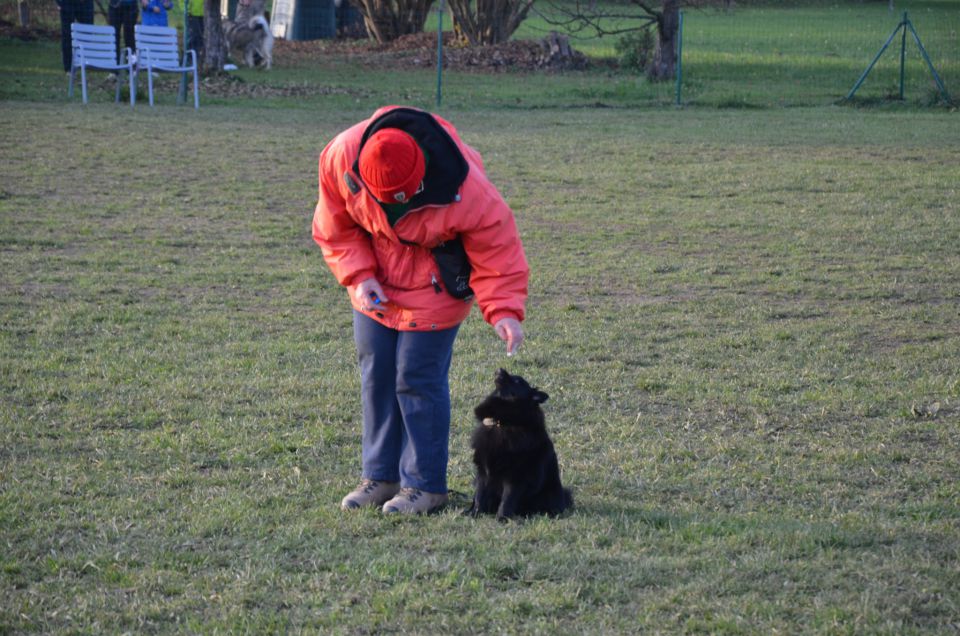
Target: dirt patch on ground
(224, 85)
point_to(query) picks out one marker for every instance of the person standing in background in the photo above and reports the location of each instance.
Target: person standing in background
(155, 12)
(194, 25)
(72, 11)
(122, 15)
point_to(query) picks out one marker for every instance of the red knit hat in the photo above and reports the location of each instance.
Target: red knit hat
(392, 165)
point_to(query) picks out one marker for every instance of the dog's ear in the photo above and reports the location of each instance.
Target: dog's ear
(539, 396)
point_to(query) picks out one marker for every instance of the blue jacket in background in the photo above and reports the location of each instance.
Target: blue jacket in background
(155, 12)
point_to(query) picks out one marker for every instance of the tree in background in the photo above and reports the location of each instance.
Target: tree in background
(629, 17)
(214, 46)
(491, 21)
(386, 20)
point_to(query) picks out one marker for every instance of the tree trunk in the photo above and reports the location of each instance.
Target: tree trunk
(386, 20)
(664, 64)
(214, 46)
(494, 21)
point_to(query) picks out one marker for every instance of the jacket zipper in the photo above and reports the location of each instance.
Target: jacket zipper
(436, 285)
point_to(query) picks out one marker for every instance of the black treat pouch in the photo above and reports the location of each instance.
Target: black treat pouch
(454, 268)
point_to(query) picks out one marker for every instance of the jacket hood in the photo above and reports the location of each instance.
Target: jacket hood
(446, 167)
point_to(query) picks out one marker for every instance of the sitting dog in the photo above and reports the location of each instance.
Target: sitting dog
(251, 39)
(517, 469)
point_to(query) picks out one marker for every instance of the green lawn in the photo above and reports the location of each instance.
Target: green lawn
(747, 321)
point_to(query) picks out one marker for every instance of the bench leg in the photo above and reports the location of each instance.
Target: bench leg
(133, 87)
(83, 83)
(150, 84)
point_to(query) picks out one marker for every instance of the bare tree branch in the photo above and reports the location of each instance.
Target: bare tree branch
(635, 15)
(597, 21)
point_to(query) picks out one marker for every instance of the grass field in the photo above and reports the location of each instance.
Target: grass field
(748, 321)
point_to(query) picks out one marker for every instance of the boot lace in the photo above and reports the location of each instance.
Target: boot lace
(368, 486)
(411, 494)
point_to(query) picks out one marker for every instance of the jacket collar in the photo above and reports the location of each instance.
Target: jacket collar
(446, 170)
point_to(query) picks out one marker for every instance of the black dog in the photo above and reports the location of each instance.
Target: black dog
(517, 470)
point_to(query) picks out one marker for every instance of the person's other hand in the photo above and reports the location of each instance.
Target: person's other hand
(511, 332)
(369, 294)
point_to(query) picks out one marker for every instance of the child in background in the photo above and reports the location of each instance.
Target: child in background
(155, 12)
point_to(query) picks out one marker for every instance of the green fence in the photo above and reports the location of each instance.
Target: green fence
(813, 53)
(757, 53)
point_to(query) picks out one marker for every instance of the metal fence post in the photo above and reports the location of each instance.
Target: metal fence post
(679, 58)
(903, 53)
(182, 94)
(873, 63)
(440, 55)
(926, 58)
(904, 24)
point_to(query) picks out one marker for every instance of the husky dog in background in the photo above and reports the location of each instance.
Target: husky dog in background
(252, 39)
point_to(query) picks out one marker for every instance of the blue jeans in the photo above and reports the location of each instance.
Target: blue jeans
(406, 403)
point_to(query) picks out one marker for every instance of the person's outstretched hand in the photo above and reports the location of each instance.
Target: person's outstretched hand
(509, 330)
(369, 294)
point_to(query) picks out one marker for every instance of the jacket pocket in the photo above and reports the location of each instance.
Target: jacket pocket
(403, 266)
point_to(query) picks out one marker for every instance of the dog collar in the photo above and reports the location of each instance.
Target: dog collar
(489, 421)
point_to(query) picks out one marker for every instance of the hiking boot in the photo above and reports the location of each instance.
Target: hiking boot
(413, 501)
(370, 493)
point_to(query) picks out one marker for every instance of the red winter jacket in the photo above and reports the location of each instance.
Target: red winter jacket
(458, 200)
